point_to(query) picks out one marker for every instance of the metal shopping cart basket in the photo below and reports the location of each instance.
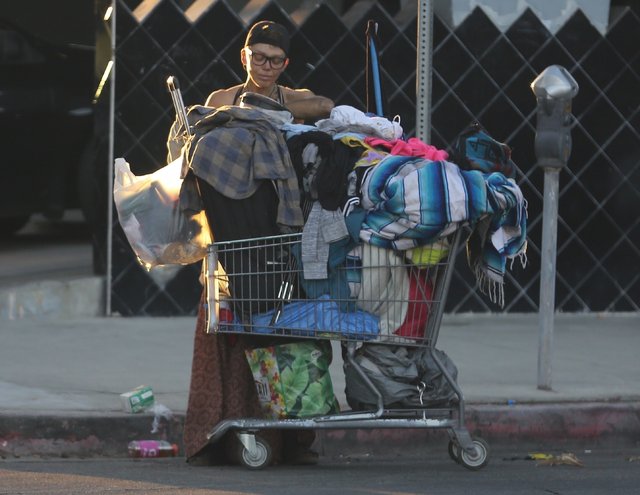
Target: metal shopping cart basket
(262, 283)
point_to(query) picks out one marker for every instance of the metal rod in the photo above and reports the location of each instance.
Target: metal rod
(443, 282)
(424, 50)
(212, 289)
(178, 104)
(338, 422)
(112, 106)
(548, 276)
(453, 383)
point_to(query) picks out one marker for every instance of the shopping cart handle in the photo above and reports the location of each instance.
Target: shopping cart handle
(172, 83)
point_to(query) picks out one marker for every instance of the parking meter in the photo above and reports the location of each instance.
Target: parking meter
(554, 89)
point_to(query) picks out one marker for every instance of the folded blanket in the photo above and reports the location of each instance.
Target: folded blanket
(412, 202)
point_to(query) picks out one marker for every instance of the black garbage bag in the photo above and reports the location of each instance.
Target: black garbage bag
(406, 377)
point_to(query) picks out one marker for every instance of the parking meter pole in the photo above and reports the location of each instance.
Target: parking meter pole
(554, 89)
(548, 277)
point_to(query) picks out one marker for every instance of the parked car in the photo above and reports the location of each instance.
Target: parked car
(46, 121)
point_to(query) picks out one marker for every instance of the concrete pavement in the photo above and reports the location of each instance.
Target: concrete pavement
(62, 368)
(60, 381)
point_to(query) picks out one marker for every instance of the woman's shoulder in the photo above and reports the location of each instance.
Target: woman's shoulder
(221, 97)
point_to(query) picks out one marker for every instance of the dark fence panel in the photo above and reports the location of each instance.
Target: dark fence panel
(479, 73)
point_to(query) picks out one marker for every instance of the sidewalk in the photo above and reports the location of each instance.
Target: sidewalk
(60, 381)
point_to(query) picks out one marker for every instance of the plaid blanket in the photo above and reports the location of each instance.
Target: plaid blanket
(413, 201)
(235, 148)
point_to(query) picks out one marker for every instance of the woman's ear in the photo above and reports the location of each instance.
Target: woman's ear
(243, 57)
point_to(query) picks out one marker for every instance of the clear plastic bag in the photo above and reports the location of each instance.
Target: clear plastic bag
(161, 215)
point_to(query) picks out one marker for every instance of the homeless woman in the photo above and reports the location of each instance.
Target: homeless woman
(222, 386)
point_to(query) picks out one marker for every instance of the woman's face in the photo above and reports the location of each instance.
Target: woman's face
(260, 59)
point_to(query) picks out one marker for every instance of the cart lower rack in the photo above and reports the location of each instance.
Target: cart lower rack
(360, 294)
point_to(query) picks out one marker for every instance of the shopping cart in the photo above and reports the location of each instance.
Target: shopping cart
(262, 282)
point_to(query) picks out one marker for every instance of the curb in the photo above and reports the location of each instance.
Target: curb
(24, 435)
(546, 426)
(61, 298)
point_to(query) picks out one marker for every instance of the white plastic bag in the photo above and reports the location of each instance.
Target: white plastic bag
(160, 215)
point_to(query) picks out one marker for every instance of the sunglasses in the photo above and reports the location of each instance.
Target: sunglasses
(260, 59)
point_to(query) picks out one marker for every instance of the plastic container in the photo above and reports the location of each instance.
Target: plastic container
(152, 448)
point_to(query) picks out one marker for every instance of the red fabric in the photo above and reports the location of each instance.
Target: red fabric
(410, 147)
(420, 297)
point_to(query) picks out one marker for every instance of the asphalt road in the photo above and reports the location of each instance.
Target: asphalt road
(604, 472)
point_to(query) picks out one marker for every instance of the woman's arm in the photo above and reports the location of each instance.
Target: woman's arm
(305, 105)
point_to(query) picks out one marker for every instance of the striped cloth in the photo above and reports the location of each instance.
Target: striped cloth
(413, 201)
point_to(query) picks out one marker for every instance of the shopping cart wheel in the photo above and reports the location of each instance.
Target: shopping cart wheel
(478, 459)
(258, 457)
(454, 450)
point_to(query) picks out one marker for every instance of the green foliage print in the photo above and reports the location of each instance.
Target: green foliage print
(298, 374)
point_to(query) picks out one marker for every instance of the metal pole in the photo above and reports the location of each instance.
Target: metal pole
(424, 50)
(112, 106)
(548, 276)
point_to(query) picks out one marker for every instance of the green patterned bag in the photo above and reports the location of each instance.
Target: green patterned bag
(293, 380)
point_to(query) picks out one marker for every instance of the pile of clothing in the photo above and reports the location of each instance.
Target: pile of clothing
(362, 195)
